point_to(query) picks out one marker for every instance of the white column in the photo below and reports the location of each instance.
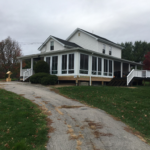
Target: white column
(44, 58)
(21, 67)
(31, 66)
(135, 67)
(59, 65)
(90, 67)
(129, 68)
(113, 68)
(121, 69)
(77, 63)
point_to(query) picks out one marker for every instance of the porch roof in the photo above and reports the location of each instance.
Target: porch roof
(78, 50)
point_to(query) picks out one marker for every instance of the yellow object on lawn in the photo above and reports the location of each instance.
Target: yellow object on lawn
(8, 79)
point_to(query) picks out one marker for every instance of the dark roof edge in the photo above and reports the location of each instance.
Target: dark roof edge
(110, 43)
(79, 49)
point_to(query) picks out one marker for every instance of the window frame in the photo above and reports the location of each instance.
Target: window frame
(49, 62)
(67, 69)
(80, 65)
(104, 49)
(110, 51)
(52, 64)
(51, 45)
(108, 73)
(97, 72)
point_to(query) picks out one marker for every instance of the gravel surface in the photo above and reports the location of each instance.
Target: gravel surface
(77, 126)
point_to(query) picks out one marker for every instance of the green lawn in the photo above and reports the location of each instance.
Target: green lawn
(22, 125)
(131, 105)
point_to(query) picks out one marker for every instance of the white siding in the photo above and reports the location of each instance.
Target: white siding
(84, 41)
(116, 52)
(57, 46)
(90, 43)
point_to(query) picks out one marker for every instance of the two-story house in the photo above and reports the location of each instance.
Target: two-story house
(83, 56)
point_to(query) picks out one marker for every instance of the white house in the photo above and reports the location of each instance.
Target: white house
(83, 56)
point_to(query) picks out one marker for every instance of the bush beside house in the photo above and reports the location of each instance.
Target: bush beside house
(42, 75)
(41, 66)
(43, 78)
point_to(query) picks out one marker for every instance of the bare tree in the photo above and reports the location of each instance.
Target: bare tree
(9, 51)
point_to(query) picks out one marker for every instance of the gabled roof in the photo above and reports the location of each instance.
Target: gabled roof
(67, 43)
(98, 38)
(60, 41)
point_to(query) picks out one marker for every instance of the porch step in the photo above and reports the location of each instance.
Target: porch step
(118, 82)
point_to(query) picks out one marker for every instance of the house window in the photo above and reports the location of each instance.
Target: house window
(110, 67)
(71, 64)
(84, 63)
(68, 59)
(54, 64)
(64, 64)
(103, 48)
(99, 66)
(107, 67)
(110, 51)
(94, 65)
(52, 45)
(48, 62)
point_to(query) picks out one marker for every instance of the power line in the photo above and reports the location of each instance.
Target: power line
(30, 43)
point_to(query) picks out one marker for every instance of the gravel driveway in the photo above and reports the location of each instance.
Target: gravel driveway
(77, 126)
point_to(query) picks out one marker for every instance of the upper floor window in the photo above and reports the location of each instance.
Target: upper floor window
(110, 50)
(52, 45)
(103, 48)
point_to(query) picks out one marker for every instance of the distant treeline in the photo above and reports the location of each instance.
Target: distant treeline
(135, 51)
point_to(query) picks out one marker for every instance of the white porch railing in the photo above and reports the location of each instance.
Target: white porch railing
(27, 74)
(137, 73)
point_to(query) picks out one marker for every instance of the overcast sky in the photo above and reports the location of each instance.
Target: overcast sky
(30, 22)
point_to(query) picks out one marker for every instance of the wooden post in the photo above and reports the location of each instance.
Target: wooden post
(102, 82)
(21, 68)
(76, 82)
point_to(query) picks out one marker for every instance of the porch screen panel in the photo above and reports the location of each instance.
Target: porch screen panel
(48, 62)
(84, 65)
(94, 65)
(110, 67)
(105, 67)
(54, 64)
(71, 64)
(99, 66)
(64, 64)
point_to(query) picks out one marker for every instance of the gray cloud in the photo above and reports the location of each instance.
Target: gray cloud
(33, 21)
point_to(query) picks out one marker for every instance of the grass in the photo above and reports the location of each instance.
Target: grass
(131, 105)
(22, 125)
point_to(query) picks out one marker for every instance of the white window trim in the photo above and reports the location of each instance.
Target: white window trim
(51, 64)
(88, 64)
(67, 64)
(97, 67)
(108, 68)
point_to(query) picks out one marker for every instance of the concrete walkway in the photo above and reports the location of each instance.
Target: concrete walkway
(77, 126)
